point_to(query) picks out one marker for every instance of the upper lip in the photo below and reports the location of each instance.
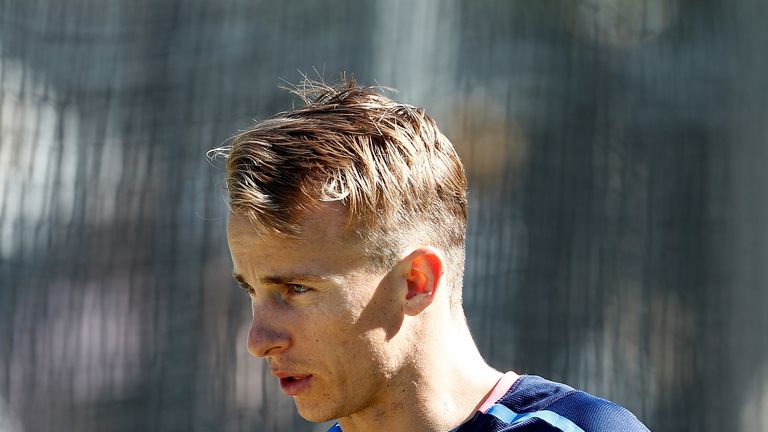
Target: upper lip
(286, 374)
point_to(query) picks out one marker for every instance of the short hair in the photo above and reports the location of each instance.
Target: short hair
(389, 165)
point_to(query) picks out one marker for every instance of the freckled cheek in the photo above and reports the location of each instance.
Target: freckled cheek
(314, 329)
(330, 338)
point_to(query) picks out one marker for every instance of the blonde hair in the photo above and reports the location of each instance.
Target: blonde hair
(394, 172)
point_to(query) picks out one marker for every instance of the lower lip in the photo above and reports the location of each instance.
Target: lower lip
(294, 387)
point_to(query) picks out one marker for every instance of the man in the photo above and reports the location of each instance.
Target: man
(347, 227)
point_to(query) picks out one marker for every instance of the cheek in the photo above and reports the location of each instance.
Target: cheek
(326, 331)
(357, 320)
(381, 317)
(335, 333)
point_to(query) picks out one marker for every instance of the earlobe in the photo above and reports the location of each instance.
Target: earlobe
(425, 268)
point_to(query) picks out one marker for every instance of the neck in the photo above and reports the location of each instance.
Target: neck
(441, 388)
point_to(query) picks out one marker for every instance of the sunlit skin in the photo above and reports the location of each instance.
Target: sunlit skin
(376, 349)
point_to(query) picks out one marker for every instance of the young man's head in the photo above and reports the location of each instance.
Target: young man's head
(397, 177)
(347, 226)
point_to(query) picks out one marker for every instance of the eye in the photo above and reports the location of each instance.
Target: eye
(245, 287)
(296, 289)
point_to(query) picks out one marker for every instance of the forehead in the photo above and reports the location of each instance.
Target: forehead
(323, 247)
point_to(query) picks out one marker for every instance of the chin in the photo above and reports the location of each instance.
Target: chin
(313, 413)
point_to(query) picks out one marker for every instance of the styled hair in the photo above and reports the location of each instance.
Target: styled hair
(395, 173)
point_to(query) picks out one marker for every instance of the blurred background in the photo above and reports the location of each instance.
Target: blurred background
(616, 153)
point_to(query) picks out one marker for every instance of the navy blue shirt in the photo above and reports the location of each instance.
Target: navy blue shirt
(534, 404)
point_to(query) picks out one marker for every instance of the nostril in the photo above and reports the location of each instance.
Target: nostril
(264, 341)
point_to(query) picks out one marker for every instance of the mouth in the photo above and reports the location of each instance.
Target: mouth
(294, 384)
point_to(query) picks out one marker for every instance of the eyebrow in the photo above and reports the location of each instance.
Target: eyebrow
(240, 280)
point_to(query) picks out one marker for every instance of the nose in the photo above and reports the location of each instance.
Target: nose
(264, 337)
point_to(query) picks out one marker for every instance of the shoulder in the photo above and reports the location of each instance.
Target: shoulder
(534, 404)
(593, 414)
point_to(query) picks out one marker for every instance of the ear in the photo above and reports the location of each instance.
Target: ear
(423, 271)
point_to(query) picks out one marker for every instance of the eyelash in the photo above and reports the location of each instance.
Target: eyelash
(296, 289)
(290, 289)
(248, 290)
